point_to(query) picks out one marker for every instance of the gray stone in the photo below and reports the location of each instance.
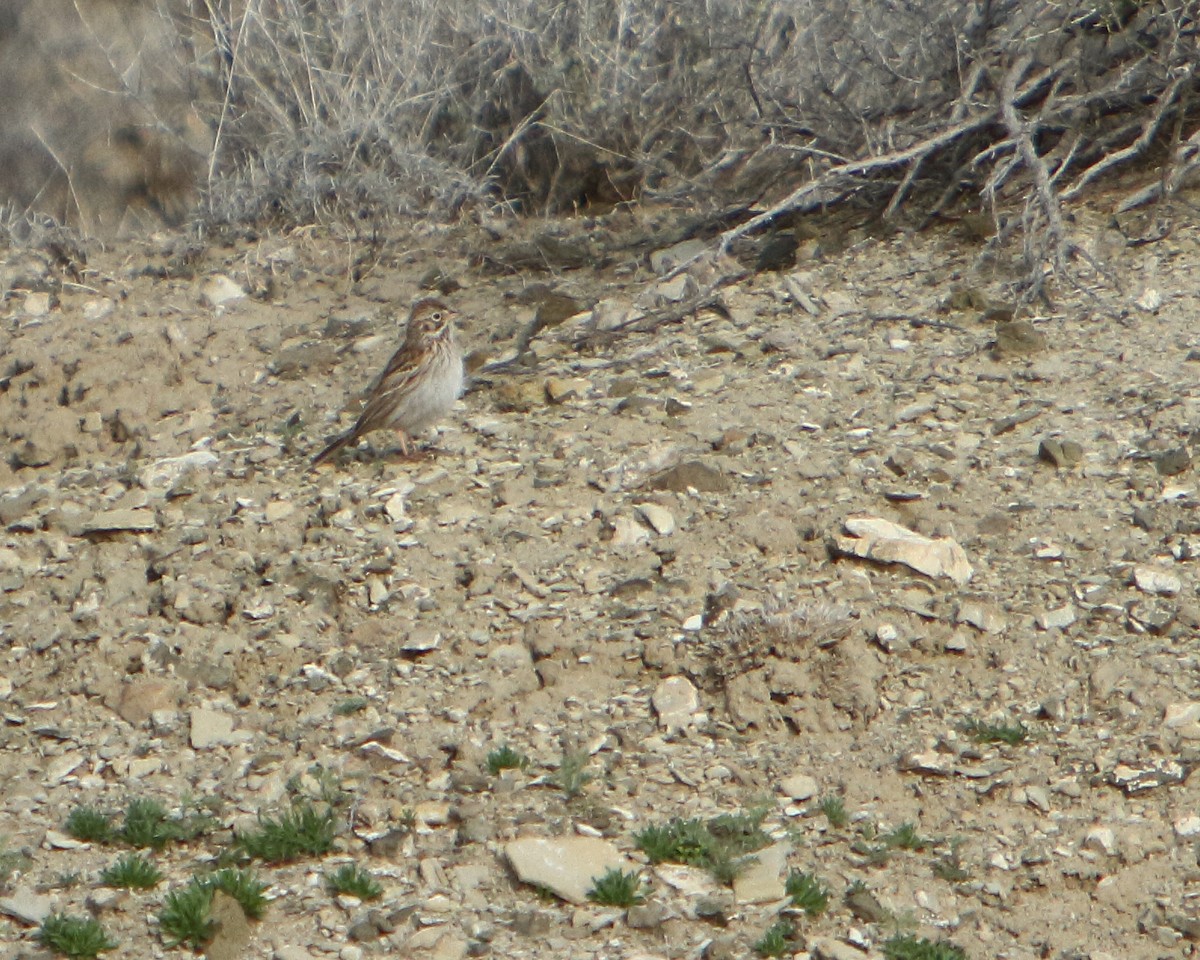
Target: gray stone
(827, 948)
(27, 906)
(676, 701)
(660, 518)
(646, 916)
(567, 866)
(233, 932)
(762, 879)
(140, 520)
(799, 786)
(210, 728)
(1058, 619)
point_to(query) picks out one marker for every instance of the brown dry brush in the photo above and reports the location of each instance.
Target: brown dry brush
(922, 108)
(911, 109)
(746, 112)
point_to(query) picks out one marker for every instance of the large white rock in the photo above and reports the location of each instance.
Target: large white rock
(567, 866)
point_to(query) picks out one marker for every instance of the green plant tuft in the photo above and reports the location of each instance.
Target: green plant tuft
(146, 824)
(720, 845)
(905, 837)
(807, 892)
(572, 775)
(777, 941)
(74, 937)
(243, 885)
(949, 866)
(908, 947)
(1007, 733)
(131, 872)
(186, 916)
(505, 758)
(11, 862)
(302, 830)
(615, 888)
(834, 809)
(356, 882)
(90, 825)
(328, 787)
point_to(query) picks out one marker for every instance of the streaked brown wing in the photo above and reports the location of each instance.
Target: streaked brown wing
(391, 387)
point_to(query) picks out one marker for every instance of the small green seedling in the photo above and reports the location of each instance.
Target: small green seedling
(807, 892)
(777, 941)
(572, 775)
(615, 888)
(147, 825)
(131, 872)
(90, 825)
(74, 937)
(302, 830)
(244, 886)
(352, 880)
(505, 758)
(186, 916)
(949, 866)
(720, 845)
(908, 947)
(905, 837)
(834, 809)
(1010, 734)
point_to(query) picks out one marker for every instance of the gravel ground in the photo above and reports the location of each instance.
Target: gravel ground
(628, 561)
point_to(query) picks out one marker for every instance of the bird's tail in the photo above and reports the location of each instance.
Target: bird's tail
(333, 448)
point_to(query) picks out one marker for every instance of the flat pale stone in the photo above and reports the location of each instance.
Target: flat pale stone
(628, 533)
(37, 304)
(116, 521)
(139, 699)
(140, 767)
(94, 310)
(1182, 714)
(875, 538)
(660, 518)
(676, 701)
(670, 257)
(289, 951)
(560, 390)
(220, 290)
(567, 866)
(395, 507)
(449, 947)
(1101, 840)
(799, 786)
(162, 473)
(27, 906)
(828, 948)
(279, 510)
(60, 841)
(676, 288)
(210, 728)
(690, 881)
(1156, 580)
(763, 879)
(983, 616)
(62, 767)
(1058, 619)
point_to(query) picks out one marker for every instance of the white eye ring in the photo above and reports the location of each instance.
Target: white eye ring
(437, 315)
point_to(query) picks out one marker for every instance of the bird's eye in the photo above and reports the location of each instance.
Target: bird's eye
(437, 315)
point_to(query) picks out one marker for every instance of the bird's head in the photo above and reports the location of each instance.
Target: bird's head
(430, 320)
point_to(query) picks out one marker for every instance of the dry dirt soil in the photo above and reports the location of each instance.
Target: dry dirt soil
(621, 551)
